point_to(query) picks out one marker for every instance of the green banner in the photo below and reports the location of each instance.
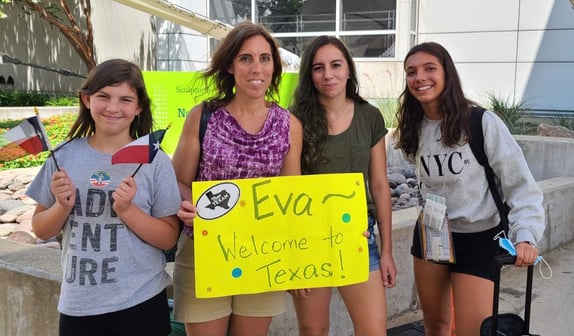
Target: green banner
(173, 94)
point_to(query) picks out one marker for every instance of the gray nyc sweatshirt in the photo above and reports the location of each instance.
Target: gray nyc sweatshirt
(470, 205)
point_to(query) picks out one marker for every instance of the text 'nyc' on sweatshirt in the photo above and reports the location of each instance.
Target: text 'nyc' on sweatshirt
(470, 205)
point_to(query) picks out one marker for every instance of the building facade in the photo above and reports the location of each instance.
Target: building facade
(517, 50)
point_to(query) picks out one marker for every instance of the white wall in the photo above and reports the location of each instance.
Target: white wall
(32, 40)
(516, 49)
(181, 48)
(123, 32)
(119, 31)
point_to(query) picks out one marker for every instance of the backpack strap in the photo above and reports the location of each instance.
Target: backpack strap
(205, 114)
(477, 146)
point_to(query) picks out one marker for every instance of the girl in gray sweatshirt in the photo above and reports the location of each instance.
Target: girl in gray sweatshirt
(434, 133)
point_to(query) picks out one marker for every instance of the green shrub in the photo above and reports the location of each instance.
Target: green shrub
(388, 107)
(563, 120)
(511, 112)
(63, 101)
(57, 128)
(31, 98)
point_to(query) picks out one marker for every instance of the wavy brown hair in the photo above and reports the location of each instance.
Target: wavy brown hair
(306, 105)
(108, 73)
(453, 106)
(223, 58)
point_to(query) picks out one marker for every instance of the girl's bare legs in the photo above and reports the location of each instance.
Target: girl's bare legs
(367, 305)
(433, 287)
(238, 325)
(249, 326)
(313, 312)
(472, 302)
(210, 328)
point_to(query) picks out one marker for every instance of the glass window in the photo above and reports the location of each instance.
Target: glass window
(167, 49)
(371, 45)
(368, 14)
(294, 44)
(294, 16)
(280, 16)
(360, 46)
(230, 11)
(413, 23)
(367, 26)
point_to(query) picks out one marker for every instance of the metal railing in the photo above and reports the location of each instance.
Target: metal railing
(362, 20)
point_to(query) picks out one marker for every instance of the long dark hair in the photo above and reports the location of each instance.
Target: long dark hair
(306, 105)
(223, 58)
(107, 73)
(453, 106)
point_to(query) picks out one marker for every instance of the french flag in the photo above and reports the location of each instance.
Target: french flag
(28, 137)
(141, 150)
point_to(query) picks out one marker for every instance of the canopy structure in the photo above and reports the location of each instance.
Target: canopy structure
(187, 18)
(182, 16)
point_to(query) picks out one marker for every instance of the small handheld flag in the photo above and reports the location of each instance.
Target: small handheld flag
(142, 150)
(28, 137)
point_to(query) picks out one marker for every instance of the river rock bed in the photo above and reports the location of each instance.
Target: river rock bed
(16, 209)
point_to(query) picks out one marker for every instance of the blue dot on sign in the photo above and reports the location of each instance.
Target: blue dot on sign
(237, 272)
(346, 218)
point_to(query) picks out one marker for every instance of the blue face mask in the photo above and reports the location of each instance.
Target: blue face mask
(506, 244)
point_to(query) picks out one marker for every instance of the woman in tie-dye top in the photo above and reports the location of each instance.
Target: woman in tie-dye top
(247, 135)
(231, 152)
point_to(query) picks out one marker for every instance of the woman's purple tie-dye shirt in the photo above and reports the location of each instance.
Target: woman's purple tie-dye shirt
(229, 152)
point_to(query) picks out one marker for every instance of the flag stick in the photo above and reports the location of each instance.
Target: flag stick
(137, 169)
(54, 158)
(57, 166)
(37, 113)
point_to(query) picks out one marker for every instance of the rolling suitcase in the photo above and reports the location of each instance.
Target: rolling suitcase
(508, 324)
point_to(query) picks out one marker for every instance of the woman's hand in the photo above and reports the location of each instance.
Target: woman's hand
(300, 293)
(388, 270)
(526, 254)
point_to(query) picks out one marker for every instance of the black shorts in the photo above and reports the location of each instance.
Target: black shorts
(149, 318)
(474, 252)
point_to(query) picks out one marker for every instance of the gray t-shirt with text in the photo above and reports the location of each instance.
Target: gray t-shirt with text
(106, 266)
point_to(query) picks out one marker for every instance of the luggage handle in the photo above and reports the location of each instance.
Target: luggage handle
(507, 259)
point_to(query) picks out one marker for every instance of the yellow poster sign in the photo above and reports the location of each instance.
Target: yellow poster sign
(269, 234)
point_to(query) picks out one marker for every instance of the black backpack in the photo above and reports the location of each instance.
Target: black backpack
(205, 114)
(477, 146)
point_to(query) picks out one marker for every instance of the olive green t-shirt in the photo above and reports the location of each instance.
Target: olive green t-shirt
(349, 151)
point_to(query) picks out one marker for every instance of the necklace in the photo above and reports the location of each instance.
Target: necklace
(331, 122)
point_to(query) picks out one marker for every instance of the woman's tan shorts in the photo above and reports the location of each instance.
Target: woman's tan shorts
(189, 309)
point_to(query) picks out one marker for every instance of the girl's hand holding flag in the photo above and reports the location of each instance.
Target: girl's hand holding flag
(63, 189)
(124, 194)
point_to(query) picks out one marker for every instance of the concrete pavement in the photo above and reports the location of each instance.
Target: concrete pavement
(552, 299)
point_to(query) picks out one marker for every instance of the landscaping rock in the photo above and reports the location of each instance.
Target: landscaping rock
(554, 131)
(16, 209)
(12, 214)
